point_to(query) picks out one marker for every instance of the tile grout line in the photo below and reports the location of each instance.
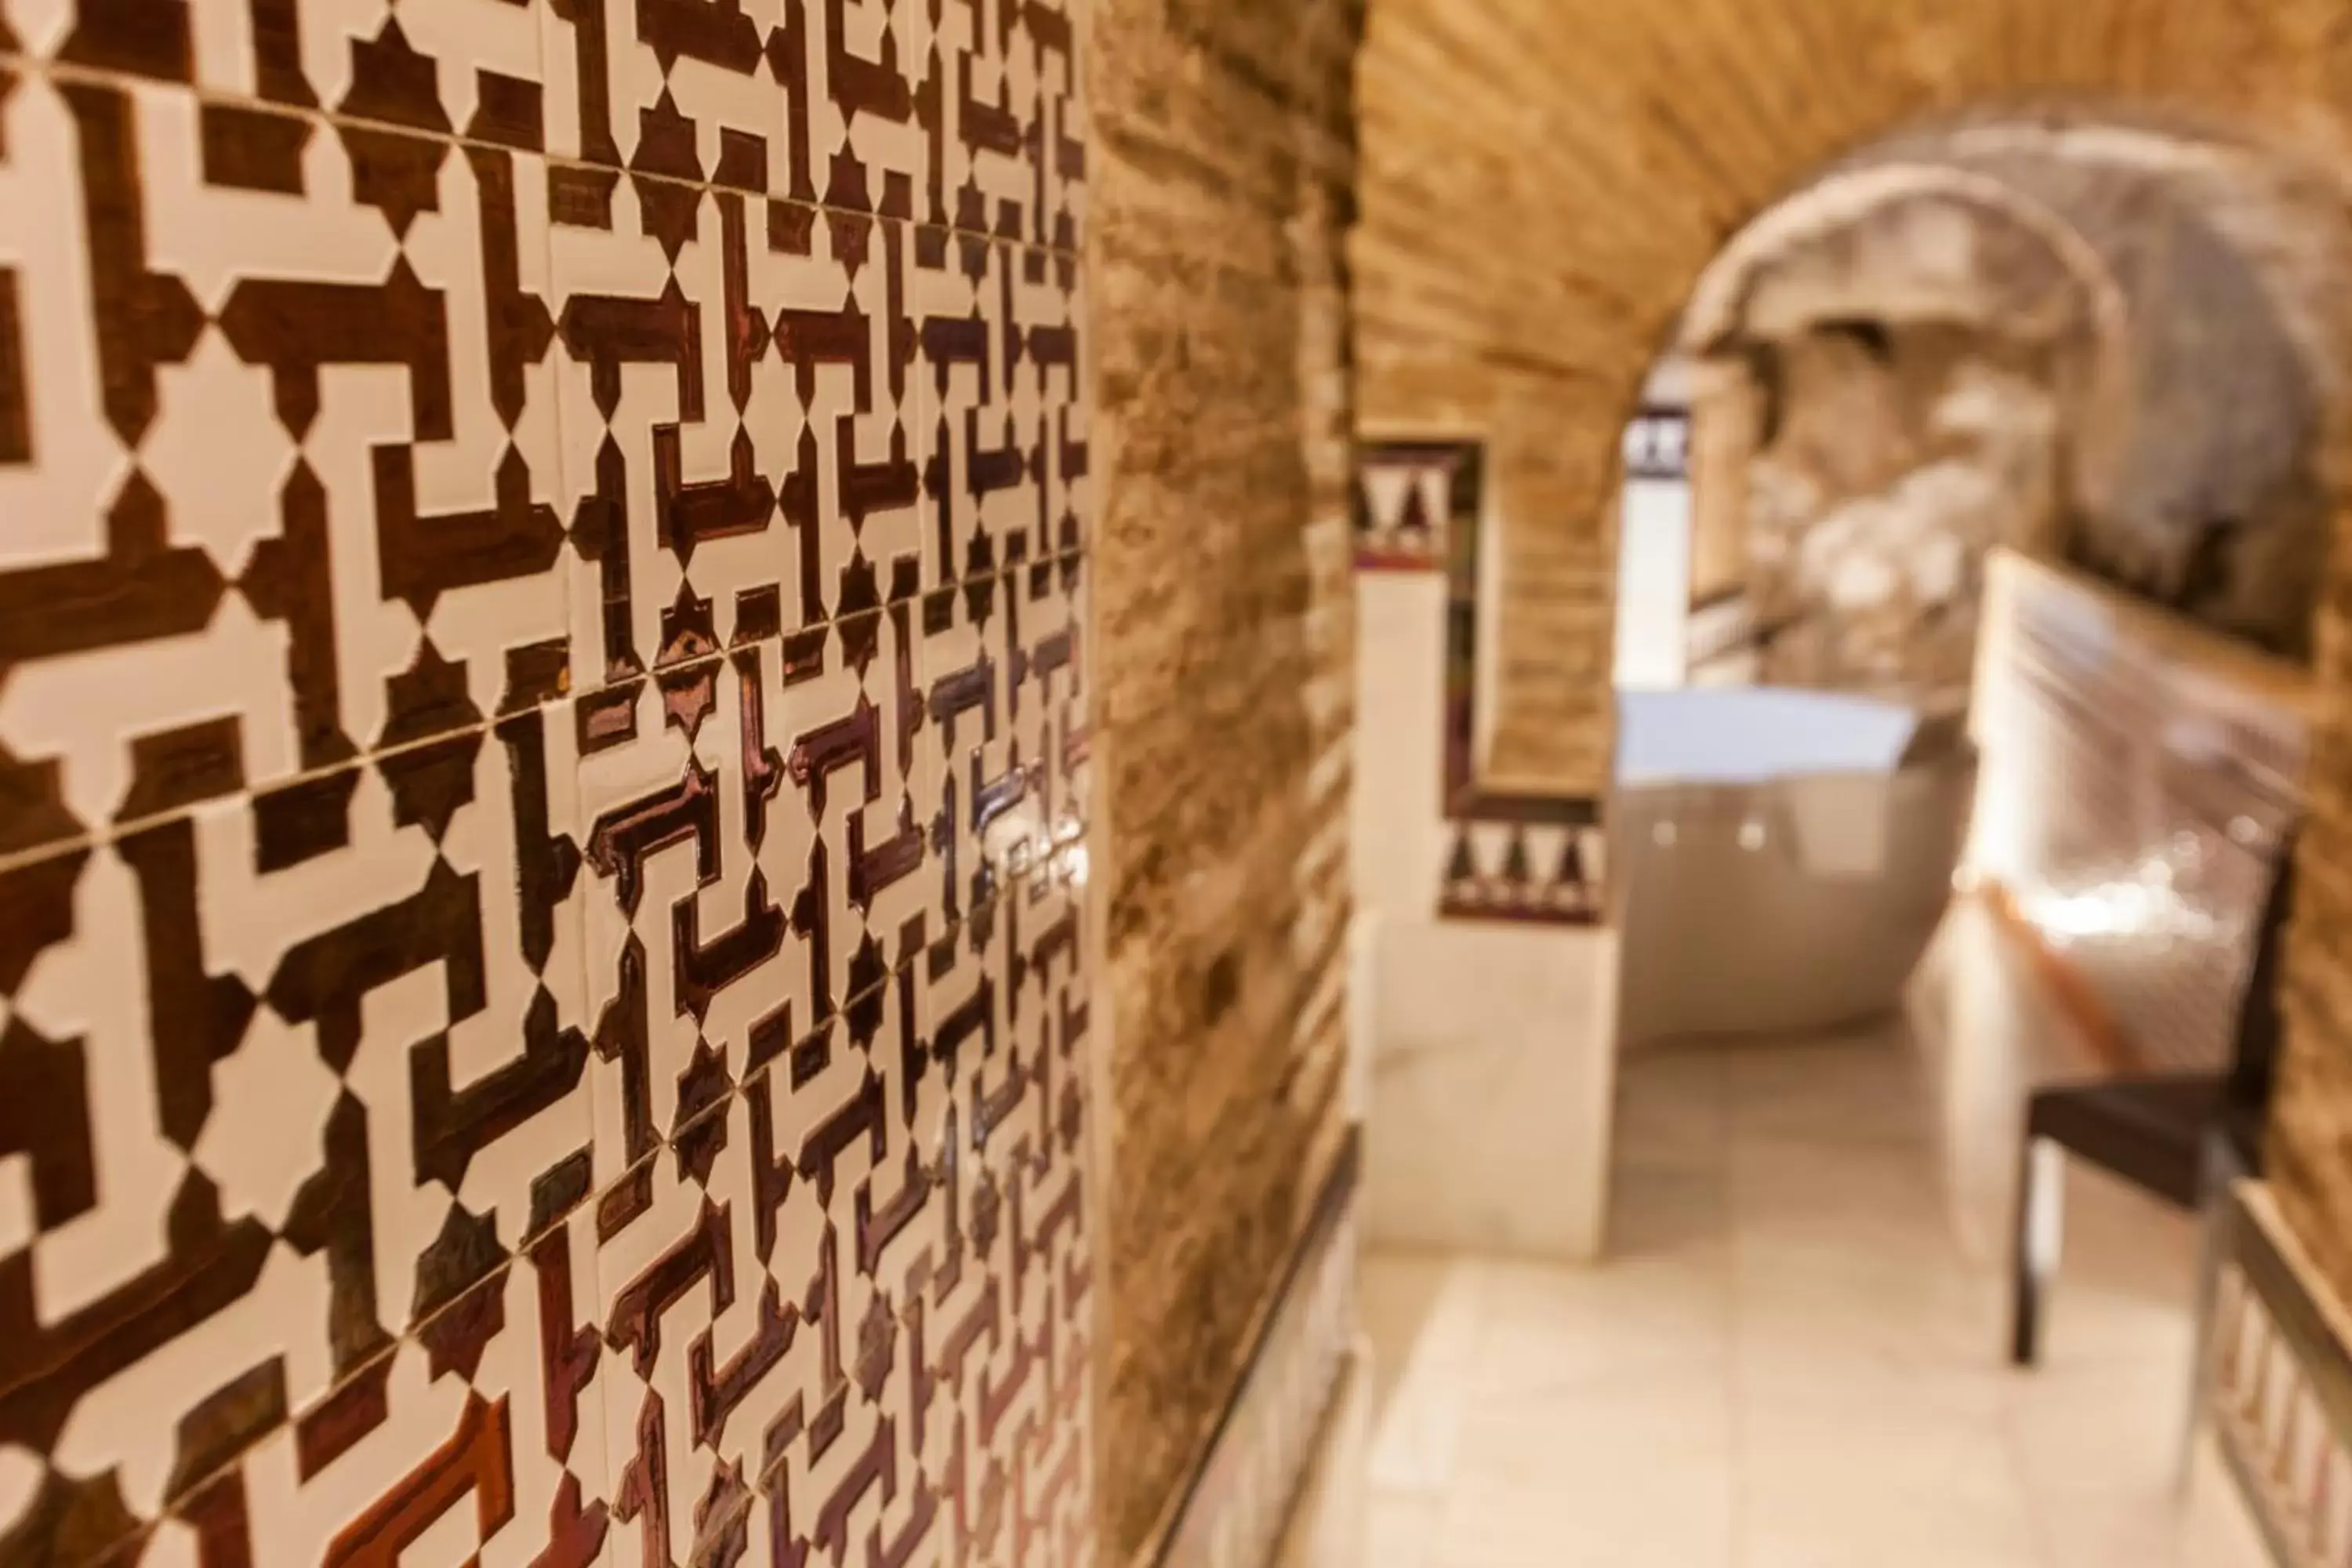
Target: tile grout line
(1034, 886)
(115, 829)
(50, 68)
(413, 1334)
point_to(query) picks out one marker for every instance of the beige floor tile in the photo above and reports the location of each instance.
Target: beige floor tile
(2218, 1531)
(2110, 1430)
(1656, 1210)
(1676, 1072)
(1554, 1331)
(1400, 1531)
(1416, 1434)
(1794, 1181)
(2114, 1532)
(1417, 1311)
(1860, 1088)
(1865, 1312)
(1795, 1356)
(2126, 1278)
(1674, 1108)
(1680, 1516)
(1797, 1377)
(1602, 1438)
(1804, 1454)
(1826, 1488)
(1403, 1531)
(1913, 1540)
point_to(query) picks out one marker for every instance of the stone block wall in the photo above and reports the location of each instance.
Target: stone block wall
(1222, 185)
(2079, 331)
(1724, 428)
(1896, 463)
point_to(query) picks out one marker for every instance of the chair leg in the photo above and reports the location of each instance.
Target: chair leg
(2040, 1215)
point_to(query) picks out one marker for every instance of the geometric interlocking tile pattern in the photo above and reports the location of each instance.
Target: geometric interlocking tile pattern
(544, 749)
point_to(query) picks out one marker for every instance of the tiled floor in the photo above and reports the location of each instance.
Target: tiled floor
(1793, 1357)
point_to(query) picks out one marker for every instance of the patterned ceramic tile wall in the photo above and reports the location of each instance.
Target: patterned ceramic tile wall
(543, 775)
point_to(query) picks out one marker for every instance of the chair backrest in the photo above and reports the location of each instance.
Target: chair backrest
(2255, 1057)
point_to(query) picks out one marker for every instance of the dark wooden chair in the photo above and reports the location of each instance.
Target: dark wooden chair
(2176, 1135)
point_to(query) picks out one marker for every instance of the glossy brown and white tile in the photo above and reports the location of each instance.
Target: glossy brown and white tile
(485, 638)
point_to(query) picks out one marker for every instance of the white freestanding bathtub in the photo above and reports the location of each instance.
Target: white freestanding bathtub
(1783, 858)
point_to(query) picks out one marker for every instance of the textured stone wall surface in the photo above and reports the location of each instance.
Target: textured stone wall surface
(1545, 181)
(2159, 304)
(1221, 184)
(1894, 465)
(1724, 427)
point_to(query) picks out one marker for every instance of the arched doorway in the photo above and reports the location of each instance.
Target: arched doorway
(2221, 526)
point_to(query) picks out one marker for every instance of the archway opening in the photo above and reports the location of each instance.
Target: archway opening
(2025, 423)
(1973, 434)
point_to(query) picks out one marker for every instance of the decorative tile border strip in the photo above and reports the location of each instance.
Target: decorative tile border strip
(1242, 1497)
(1512, 855)
(2279, 1387)
(1658, 444)
(1413, 498)
(1542, 872)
